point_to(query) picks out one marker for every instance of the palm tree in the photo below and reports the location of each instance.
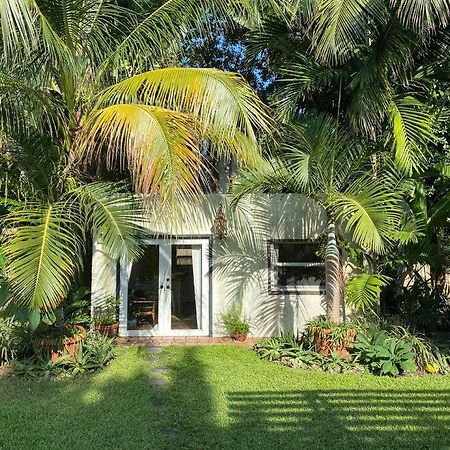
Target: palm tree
(324, 162)
(87, 92)
(372, 63)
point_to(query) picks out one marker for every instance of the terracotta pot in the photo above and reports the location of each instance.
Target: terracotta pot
(324, 345)
(322, 341)
(108, 330)
(57, 348)
(240, 337)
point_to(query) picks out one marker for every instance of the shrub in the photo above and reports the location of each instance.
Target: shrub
(428, 356)
(12, 339)
(275, 348)
(96, 352)
(234, 323)
(384, 355)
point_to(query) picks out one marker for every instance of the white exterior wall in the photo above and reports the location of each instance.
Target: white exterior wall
(239, 262)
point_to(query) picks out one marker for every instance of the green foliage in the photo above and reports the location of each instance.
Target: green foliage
(273, 349)
(363, 290)
(95, 352)
(12, 339)
(233, 321)
(292, 353)
(426, 352)
(106, 313)
(339, 331)
(384, 355)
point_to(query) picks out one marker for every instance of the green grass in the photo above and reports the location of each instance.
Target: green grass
(224, 398)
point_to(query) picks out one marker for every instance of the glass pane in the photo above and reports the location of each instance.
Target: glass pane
(300, 276)
(298, 252)
(143, 291)
(186, 287)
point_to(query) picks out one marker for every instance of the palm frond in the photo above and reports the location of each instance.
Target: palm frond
(159, 31)
(115, 216)
(222, 103)
(423, 15)
(18, 22)
(300, 80)
(363, 290)
(270, 177)
(369, 209)
(42, 247)
(412, 130)
(340, 25)
(161, 148)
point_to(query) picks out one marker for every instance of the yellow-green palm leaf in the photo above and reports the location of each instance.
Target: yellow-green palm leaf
(42, 249)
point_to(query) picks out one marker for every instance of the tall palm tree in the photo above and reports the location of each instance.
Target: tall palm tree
(88, 91)
(324, 162)
(373, 63)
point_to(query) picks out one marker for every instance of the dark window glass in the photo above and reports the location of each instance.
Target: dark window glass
(295, 276)
(298, 252)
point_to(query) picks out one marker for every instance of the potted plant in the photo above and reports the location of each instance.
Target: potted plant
(105, 317)
(57, 340)
(236, 325)
(327, 336)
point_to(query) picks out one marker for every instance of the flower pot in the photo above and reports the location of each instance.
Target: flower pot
(108, 330)
(322, 341)
(343, 348)
(324, 345)
(69, 345)
(240, 337)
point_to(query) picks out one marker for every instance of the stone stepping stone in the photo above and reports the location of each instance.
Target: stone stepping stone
(159, 407)
(160, 369)
(152, 359)
(169, 432)
(159, 382)
(154, 349)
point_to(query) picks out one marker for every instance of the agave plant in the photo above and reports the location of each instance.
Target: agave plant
(86, 95)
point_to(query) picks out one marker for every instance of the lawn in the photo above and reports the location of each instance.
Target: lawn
(224, 398)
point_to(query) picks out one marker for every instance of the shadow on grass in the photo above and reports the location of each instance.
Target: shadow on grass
(212, 409)
(292, 419)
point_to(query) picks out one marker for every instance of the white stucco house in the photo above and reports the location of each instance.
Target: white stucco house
(188, 274)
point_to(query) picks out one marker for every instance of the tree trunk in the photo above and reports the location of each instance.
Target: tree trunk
(333, 274)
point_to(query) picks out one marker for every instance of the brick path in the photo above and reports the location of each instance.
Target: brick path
(179, 340)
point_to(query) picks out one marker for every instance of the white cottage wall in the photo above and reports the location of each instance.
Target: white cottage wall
(239, 263)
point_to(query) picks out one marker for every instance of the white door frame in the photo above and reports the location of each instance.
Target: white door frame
(164, 303)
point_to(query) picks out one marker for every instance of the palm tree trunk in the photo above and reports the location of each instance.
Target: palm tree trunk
(333, 274)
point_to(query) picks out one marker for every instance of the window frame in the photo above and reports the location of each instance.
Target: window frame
(274, 264)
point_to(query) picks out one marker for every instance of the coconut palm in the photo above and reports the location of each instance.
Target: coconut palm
(88, 92)
(372, 63)
(324, 162)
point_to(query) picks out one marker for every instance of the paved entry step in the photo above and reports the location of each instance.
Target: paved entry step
(190, 340)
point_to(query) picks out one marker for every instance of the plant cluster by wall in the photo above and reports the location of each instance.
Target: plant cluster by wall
(391, 351)
(95, 352)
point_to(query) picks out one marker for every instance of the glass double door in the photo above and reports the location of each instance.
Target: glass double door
(167, 290)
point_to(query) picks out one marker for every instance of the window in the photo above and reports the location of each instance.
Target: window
(295, 266)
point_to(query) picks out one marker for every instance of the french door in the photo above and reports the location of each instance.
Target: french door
(166, 292)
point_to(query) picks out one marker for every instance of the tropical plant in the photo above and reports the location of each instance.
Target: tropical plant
(234, 322)
(326, 163)
(428, 357)
(277, 348)
(12, 339)
(106, 313)
(372, 64)
(95, 352)
(384, 355)
(85, 96)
